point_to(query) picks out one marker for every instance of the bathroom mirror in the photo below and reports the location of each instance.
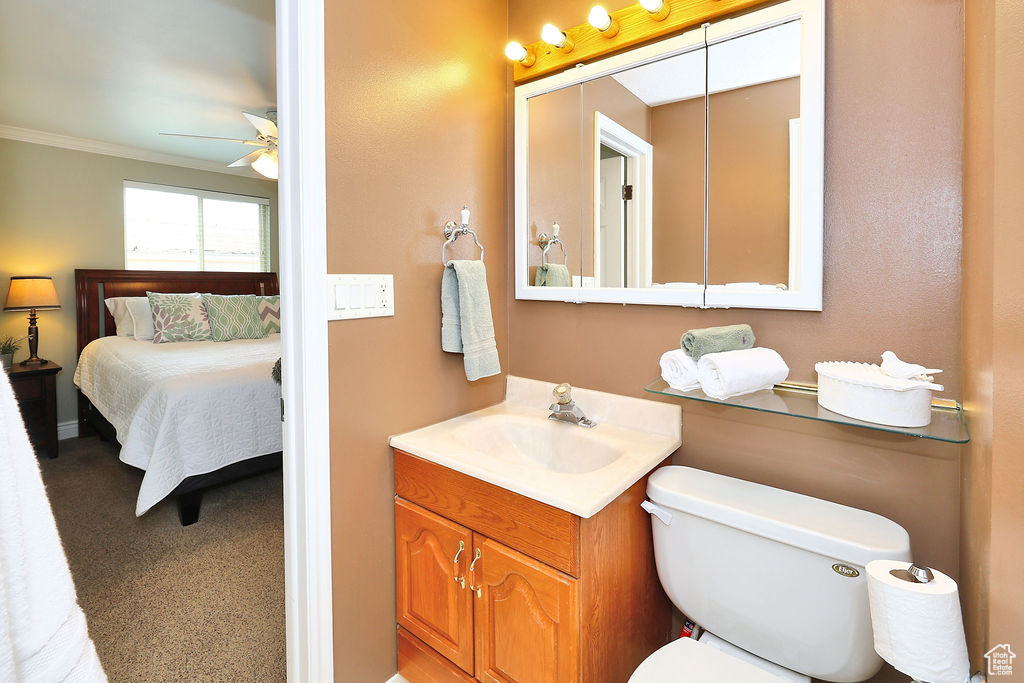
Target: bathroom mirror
(686, 172)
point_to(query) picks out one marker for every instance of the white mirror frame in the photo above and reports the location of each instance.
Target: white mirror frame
(806, 234)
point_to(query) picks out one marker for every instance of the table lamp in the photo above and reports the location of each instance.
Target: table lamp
(32, 293)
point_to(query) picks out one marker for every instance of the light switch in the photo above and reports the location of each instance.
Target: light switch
(360, 296)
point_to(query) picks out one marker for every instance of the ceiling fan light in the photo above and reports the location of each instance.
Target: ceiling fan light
(266, 164)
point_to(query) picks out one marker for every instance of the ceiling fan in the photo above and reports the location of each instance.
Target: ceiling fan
(263, 160)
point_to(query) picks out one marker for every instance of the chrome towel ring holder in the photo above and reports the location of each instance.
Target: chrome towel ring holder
(453, 231)
(547, 242)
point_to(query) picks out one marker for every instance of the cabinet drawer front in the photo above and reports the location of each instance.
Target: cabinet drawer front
(527, 618)
(433, 603)
(541, 531)
(28, 389)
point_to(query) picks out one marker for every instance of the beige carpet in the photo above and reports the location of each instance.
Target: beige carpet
(166, 602)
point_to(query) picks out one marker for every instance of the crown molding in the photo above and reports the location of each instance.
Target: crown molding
(39, 137)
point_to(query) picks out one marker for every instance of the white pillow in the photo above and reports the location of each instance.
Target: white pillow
(142, 317)
(124, 326)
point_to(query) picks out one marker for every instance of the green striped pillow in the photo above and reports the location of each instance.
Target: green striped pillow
(233, 316)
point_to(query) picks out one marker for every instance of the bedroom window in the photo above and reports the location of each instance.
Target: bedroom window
(177, 228)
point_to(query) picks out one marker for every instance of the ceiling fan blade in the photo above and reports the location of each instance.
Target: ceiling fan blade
(264, 126)
(247, 159)
(210, 137)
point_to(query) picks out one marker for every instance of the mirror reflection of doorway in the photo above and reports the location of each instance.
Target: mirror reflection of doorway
(623, 206)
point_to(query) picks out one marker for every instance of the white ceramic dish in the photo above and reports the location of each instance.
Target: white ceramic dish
(864, 392)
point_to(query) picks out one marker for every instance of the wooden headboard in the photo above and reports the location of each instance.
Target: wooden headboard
(93, 286)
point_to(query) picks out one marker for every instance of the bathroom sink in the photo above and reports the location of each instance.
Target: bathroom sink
(527, 440)
(514, 445)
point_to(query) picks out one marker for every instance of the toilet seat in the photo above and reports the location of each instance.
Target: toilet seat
(686, 660)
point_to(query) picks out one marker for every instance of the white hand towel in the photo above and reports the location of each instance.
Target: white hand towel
(43, 636)
(679, 370)
(734, 373)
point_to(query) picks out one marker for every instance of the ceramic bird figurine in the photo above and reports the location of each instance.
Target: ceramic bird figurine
(894, 367)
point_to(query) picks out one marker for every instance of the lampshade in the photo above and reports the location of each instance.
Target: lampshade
(266, 164)
(31, 291)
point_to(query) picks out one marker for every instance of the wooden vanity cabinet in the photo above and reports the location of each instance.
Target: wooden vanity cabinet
(550, 597)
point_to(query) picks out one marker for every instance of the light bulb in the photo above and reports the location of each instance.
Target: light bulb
(516, 52)
(552, 35)
(657, 8)
(599, 18)
(602, 21)
(266, 164)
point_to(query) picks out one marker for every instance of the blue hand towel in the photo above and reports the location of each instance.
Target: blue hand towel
(466, 324)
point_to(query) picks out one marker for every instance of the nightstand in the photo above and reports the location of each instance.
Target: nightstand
(35, 387)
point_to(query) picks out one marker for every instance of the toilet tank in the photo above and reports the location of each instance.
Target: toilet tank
(776, 573)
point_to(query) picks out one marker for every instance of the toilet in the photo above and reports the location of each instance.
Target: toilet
(776, 580)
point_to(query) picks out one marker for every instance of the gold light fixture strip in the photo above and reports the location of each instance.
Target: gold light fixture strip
(633, 25)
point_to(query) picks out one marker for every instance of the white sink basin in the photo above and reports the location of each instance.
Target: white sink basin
(547, 444)
(514, 445)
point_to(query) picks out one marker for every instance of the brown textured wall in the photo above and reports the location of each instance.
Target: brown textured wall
(415, 128)
(976, 465)
(993, 466)
(893, 143)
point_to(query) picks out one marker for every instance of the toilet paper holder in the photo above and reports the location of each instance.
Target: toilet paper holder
(914, 574)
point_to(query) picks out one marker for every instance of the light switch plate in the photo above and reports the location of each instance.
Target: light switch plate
(352, 296)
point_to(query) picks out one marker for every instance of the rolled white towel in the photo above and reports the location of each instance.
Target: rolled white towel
(734, 373)
(679, 370)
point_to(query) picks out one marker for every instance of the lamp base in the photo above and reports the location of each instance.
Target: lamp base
(34, 361)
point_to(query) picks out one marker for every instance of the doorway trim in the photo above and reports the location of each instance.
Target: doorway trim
(639, 156)
(302, 204)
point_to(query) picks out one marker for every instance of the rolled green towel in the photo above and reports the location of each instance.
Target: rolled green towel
(707, 340)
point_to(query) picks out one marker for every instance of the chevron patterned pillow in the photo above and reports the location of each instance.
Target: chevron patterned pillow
(233, 316)
(269, 310)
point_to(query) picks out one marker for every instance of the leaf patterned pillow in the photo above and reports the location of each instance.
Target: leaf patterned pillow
(233, 316)
(179, 317)
(269, 310)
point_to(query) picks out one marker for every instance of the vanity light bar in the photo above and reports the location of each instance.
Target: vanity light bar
(607, 32)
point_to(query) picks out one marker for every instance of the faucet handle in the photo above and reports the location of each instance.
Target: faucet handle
(563, 393)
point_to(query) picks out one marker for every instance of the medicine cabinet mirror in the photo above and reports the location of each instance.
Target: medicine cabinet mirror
(686, 172)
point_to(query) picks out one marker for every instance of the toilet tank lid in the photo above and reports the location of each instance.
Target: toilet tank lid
(820, 526)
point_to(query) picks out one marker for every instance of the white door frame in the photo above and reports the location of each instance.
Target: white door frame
(302, 204)
(640, 172)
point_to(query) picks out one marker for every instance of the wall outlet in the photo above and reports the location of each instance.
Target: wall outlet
(360, 296)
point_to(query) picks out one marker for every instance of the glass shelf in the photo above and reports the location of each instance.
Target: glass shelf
(948, 423)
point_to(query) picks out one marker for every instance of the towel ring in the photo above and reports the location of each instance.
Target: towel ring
(454, 231)
(546, 243)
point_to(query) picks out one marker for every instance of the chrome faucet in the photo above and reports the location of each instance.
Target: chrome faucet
(565, 409)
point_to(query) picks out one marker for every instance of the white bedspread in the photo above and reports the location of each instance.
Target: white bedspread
(184, 408)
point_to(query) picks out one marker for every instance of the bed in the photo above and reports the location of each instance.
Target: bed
(190, 415)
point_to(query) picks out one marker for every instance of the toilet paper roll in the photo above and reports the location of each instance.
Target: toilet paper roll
(918, 627)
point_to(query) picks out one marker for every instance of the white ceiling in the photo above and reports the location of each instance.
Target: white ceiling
(122, 71)
(760, 57)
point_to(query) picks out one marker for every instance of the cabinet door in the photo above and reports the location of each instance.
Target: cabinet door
(527, 618)
(434, 600)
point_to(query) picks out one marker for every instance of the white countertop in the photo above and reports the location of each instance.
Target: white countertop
(515, 446)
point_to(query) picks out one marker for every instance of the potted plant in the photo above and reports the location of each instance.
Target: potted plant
(8, 347)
